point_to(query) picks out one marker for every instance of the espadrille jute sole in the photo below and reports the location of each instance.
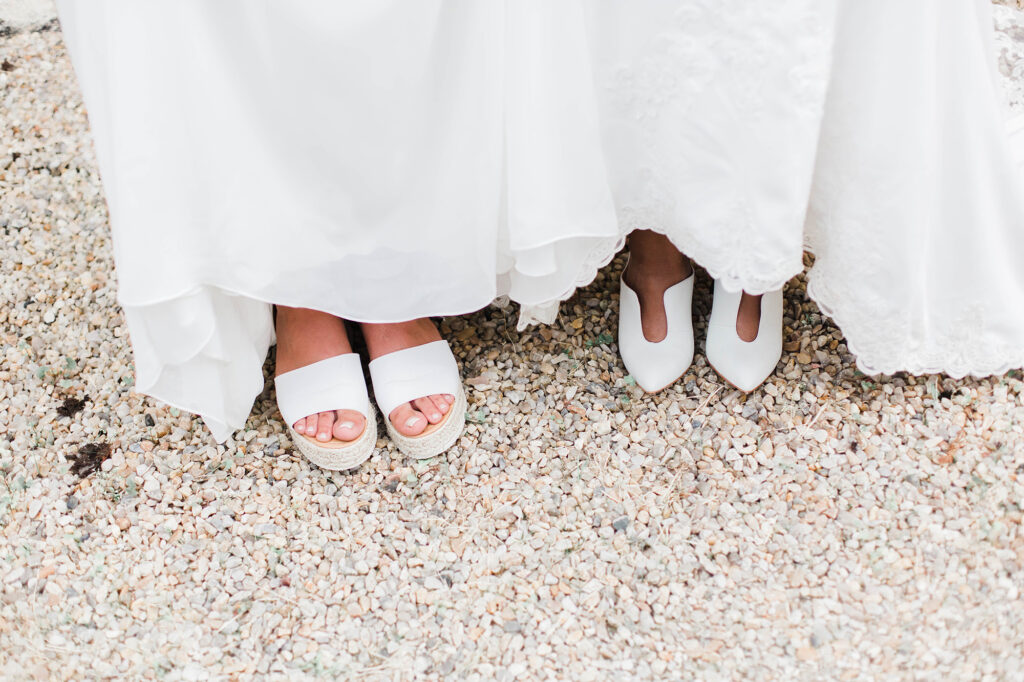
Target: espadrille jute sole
(335, 455)
(437, 438)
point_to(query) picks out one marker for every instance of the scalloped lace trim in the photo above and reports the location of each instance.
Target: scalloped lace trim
(963, 350)
(1009, 39)
(599, 257)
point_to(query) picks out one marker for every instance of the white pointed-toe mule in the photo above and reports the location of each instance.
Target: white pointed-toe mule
(333, 384)
(744, 364)
(417, 372)
(656, 366)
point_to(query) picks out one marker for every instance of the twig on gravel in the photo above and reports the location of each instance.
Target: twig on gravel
(807, 427)
(707, 400)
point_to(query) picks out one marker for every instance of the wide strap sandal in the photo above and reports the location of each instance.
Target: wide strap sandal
(333, 384)
(417, 372)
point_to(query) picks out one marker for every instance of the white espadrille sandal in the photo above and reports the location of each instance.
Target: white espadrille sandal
(333, 384)
(417, 372)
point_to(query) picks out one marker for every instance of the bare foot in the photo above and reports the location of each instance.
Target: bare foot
(308, 336)
(412, 418)
(748, 319)
(654, 266)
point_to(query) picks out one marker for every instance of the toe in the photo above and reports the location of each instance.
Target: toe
(441, 403)
(310, 425)
(349, 425)
(408, 421)
(429, 409)
(325, 426)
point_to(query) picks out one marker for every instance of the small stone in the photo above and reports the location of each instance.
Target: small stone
(806, 653)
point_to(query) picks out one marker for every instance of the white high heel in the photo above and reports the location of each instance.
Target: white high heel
(333, 384)
(656, 366)
(744, 364)
(405, 375)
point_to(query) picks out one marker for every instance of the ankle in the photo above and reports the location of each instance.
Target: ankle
(305, 336)
(385, 338)
(654, 262)
(748, 318)
(304, 321)
(656, 273)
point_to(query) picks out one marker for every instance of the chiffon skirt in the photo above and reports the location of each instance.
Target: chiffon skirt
(385, 160)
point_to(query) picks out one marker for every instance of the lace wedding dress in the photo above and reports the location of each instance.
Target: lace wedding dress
(385, 160)
(874, 133)
(917, 210)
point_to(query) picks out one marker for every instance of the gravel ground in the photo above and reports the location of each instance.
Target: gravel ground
(830, 525)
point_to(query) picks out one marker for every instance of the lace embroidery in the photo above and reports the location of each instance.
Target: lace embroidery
(701, 48)
(767, 62)
(655, 90)
(1010, 52)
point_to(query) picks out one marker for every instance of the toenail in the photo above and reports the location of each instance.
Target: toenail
(411, 422)
(347, 425)
(435, 416)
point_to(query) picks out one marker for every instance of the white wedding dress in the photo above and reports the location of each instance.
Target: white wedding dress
(384, 160)
(917, 210)
(872, 132)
